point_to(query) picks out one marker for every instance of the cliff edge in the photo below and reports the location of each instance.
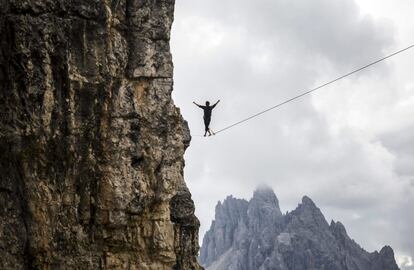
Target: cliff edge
(91, 143)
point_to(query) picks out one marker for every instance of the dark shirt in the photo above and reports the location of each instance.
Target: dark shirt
(207, 110)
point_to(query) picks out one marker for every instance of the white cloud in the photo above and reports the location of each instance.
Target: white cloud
(405, 262)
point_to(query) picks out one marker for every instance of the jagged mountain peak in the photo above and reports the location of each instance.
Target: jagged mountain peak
(307, 204)
(308, 201)
(263, 238)
(307, 213)
(265, 192)
(384, 259)
(231, 209)
(388, 251)
(338, 228)
(264, 197)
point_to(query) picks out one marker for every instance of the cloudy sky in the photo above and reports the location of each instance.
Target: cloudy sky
(349, 146)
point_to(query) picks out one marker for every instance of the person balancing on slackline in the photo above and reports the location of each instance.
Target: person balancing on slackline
(207, 116)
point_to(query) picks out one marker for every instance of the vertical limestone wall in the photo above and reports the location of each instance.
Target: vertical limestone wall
(91, 143)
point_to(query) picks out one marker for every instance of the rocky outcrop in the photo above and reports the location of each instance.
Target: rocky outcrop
(91, 143)
(255, 235)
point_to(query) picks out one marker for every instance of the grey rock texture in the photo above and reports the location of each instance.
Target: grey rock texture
(91, 143)
(255, 235)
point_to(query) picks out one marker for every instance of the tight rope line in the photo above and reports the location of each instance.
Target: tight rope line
(314, 89)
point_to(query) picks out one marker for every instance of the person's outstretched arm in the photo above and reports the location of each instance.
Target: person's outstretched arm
(216, 103)
(197, 104)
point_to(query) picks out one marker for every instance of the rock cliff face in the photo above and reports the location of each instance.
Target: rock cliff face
(91, 144)
(255, 235)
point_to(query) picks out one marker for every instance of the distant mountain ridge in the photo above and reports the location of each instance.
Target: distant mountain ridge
(255, 235)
